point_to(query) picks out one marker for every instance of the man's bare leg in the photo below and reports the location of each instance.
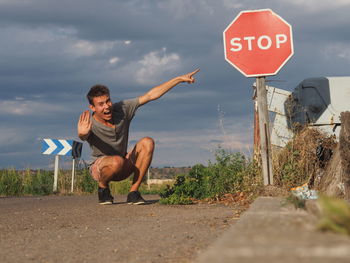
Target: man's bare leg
(109, 167)
(141, 157)
(103, 170)
(116, 168)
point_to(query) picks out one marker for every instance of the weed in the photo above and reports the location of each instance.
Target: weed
(84, 182)
(231, 173)
(297, 202)
(297, 162)
(176, 200)
(40, 182)
(335, 215)
(122, 187)
(10, 182)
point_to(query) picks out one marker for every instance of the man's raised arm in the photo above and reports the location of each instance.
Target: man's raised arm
(160, 90)
(84, 125)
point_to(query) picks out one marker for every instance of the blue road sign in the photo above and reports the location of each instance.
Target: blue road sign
(61, 147)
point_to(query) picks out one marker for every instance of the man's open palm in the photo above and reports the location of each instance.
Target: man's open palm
(84, 124)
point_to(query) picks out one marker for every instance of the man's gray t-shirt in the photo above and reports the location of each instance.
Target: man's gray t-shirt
(106, 140)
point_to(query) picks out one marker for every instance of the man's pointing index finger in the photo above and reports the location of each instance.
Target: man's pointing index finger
(194, 72)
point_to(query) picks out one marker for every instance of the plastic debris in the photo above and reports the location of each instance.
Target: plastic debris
(303, 192)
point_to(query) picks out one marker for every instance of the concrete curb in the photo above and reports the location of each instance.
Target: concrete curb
(271, 232)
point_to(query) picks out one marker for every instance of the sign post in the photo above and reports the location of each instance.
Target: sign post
(258, 43)
(55, 175)
(73, 174)
(265, 144)
(65, 148)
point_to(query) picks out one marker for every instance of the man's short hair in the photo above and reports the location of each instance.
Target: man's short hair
(97, 91)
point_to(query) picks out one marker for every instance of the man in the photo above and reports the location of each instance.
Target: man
(107, 132)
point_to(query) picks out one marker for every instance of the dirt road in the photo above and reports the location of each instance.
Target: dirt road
(77, 229)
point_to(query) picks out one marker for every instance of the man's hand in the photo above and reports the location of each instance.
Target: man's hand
(189, 77)
(84, 125)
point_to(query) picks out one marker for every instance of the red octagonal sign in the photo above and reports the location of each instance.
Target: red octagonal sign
(258, 43)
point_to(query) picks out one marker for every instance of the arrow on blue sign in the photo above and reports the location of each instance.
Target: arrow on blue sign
(57, 147)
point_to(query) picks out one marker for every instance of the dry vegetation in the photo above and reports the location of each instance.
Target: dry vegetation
(303, 159)
(314, 158)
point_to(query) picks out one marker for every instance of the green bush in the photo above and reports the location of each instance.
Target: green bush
(231, 173)
(84, 182)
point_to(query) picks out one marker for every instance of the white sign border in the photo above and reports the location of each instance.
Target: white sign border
(285, 61)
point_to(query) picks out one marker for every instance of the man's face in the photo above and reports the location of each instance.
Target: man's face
(102, 107)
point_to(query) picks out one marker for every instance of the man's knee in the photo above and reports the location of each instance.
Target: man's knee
(116, 163)
(147, 143)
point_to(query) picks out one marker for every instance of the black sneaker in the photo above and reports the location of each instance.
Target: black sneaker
(104, 196)
(135, 198)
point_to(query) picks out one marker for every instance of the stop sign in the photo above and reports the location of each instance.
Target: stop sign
(258, 43)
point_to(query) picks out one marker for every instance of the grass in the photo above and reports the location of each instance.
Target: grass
(231, 173)
(28, 182)
(40, 182)
(335, 215)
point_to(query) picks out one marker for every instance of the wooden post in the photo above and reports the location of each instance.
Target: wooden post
(55, 177)
(256, 149)
(264, 131)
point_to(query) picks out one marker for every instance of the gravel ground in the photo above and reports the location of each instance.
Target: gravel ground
(77, 229)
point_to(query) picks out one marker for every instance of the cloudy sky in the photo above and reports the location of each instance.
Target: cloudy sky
(52, 52)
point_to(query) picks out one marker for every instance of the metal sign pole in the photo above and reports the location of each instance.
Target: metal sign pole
(55, 178)
(264, 131)
(73, 173)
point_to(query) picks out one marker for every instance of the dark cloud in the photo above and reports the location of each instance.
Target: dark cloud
(52, 52)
